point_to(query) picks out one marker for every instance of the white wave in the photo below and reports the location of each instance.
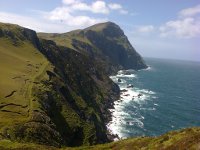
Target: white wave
(120, 72)
(146, 91)
(126, 75)
(148, 108)
(127, 97)
(115, 79)
(154, 97)
(148, 68)
(125, 71)
(142, 117)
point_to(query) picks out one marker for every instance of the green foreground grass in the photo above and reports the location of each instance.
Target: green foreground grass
(175, 140)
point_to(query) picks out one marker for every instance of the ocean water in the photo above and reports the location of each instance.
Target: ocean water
(169, 98)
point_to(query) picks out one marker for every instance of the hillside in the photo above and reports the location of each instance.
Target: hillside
(59, 93)
(104, 42)
(188, 139)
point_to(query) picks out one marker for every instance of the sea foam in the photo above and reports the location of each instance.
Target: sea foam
(129, 94)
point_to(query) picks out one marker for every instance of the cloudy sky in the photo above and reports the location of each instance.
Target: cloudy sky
(156, 28)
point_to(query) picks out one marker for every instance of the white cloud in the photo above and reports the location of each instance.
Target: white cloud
(187, 24)
(40, 25)
(69, 2)
(96, 7)
(114, 6)
(99, 7)
(82, 21)
(189, 12)
(118, 7)
(72, 14)
(143, 29)
(146, 29)
(57, 23)
(124, 12)
(182, 28)
(69, 12)
(80, 6)
(64, 15)
(59, 13)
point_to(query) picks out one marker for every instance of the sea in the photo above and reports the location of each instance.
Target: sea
(153, 101)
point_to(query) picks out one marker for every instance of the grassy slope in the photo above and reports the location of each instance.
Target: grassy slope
(20, 66)
(65, 39)
(175, 140)
(44, 110)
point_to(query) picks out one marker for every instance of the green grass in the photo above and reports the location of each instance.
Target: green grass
(65, 39)
(188, 138)
(99, 27)
(7, 144)
(21, 66)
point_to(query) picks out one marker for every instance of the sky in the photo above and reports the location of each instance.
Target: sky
(155, 28)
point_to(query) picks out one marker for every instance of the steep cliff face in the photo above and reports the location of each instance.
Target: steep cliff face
(111, 41)
(55, 95)
(85, 90)
(104, 42)
(58, 93)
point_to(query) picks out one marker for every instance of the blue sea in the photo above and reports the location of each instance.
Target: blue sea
(164, 97)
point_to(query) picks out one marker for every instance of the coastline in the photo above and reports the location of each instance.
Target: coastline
(126, 94)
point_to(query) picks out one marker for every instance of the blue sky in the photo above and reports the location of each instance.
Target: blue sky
(156, 28)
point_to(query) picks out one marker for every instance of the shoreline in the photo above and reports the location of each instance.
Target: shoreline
(110, 134)
(126, 94)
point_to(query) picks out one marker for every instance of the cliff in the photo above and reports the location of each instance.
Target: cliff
(55, 89)
(105, 43)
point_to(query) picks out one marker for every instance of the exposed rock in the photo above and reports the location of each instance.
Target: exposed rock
(119, 80)
(130, 86)
(124, 90)
(139, 95)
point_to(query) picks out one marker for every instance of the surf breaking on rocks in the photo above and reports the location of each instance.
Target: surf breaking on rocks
(122, 116)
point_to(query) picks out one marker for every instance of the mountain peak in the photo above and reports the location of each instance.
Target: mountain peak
(101, 26)
(109, 29)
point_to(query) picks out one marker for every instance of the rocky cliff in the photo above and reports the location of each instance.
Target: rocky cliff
(55, 89)
(105, 43)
